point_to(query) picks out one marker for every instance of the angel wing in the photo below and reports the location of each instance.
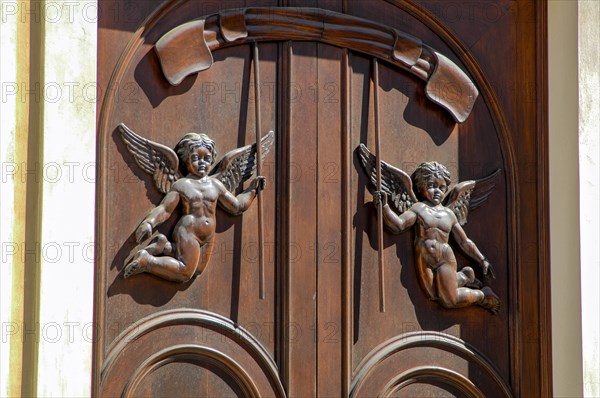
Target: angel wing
(239, 165)
(469, 195)
(395, 182)
(155, 159)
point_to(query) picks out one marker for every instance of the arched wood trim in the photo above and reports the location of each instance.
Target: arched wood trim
(197, 353)
(450, 344)
(181, 317)
(424, 374)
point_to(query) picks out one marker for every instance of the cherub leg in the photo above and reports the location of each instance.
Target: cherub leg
(160, 246)
(425, 275)
(180, 269)
(465, 276)
(450, 294)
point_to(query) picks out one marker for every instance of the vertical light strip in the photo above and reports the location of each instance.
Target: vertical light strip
(589, 195)
(66, 233)
(564, 200)
(14, 118)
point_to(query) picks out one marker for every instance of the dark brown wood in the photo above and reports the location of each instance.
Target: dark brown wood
(258, 128)
(380, 259)
(303, 223)
(347, 300)
(318, 331)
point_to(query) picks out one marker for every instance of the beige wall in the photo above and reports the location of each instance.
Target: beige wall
(564, 206)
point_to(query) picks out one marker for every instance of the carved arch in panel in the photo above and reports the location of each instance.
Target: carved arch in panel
(387, 369)
(211, 340)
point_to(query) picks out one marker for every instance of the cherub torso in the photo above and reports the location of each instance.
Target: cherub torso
(432, 231)
(199, 201)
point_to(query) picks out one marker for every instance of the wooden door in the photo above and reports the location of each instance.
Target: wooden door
(343, 314)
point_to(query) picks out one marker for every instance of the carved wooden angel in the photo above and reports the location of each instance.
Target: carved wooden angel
(436, 212)
(184, 175)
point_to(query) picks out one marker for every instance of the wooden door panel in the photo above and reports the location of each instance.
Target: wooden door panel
(302, 222)
(319, 331)
(233, 275)
(408, 311)
(330, 220)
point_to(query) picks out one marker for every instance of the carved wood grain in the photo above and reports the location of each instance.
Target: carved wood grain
(347, 280)
(524, 357)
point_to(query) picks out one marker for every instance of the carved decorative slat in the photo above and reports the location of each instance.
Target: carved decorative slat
(258, 128)
(380, 260)
(284, 77)
(347, 224)
(330, 213)
(302, 225)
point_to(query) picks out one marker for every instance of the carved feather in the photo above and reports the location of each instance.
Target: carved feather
(155, 159)
(394, 182)
(239, 164)
(469, 195)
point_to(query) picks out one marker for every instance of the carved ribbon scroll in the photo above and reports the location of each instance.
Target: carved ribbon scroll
(187, 49)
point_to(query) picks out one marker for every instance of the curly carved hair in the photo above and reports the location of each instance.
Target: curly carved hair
(191, 141)
(188, 143)
(427, 170)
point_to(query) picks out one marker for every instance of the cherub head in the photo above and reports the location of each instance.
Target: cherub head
(196, 153)
(431, 180)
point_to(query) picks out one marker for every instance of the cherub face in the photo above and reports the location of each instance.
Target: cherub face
(199, 161)
(434, 190)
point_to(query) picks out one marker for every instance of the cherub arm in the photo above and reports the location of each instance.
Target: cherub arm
(157, 216)
(236, 205)
(395, 223)
(469, 247)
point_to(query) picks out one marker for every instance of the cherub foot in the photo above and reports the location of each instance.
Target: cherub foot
(490, 300)
(137, 265)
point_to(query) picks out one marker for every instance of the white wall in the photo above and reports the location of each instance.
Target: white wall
(589, 179)
(8, 120)
(57, 97)
(67, 233)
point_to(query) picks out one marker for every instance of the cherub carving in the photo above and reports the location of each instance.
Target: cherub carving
(184, 175)
(436, 212)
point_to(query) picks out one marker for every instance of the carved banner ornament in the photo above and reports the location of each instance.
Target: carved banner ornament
(186, 176)
(436, 212)
(187, 49)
